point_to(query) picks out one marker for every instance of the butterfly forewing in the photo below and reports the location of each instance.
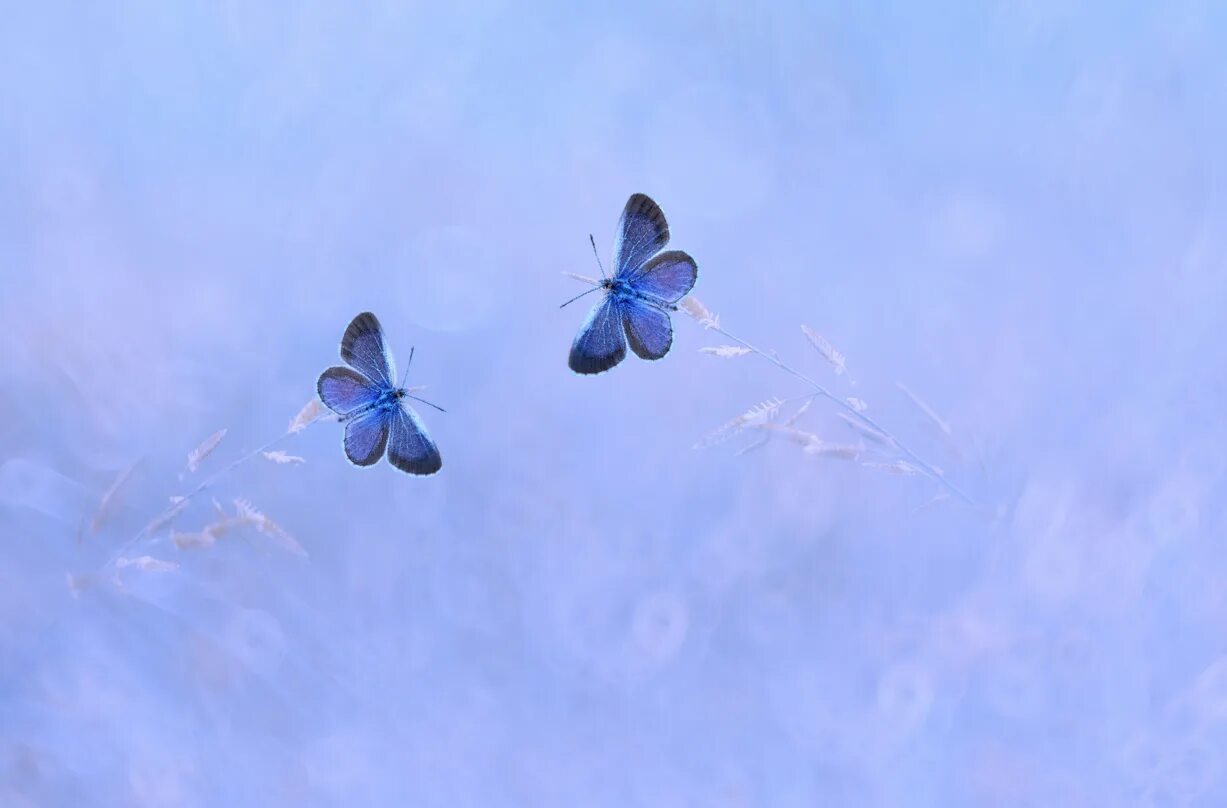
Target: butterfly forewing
(344, 390)
(410, 449)
(364, 349)
(600, 344)
(648, 329)
(366, 436)
(642, 232)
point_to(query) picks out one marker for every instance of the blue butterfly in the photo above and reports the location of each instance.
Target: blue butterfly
(372, 407)
(645, 287)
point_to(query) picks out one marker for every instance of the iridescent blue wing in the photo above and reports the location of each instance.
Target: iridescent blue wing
(363, 348)
(648, 329)
(409, 447)
(600, 344)
(366, 435)
(668, 276)
(642, 232)
(344, 390)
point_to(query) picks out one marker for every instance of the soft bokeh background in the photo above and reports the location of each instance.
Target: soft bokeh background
(1015, 208)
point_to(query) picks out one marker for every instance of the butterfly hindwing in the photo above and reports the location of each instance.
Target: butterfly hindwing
(410, 449)
(669, 276)
(648, 329)
(642, 232)
(366, 436)
(344, 390)
(364, 349)
(600, 343)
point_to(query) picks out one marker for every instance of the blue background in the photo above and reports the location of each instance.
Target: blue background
(1016, 209)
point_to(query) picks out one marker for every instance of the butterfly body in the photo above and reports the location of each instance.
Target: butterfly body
(645, 287)
(625, 293)
(372, 407)
(385, 402)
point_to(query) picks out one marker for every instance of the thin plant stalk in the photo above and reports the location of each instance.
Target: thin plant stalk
(819, 390)
(182, 502)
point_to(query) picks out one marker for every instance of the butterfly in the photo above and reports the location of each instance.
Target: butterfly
(645, 287)
(372, 407)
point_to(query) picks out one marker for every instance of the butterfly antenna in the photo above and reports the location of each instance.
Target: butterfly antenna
(427, 403)
(404, 376)
(577, 297)
(598, 256)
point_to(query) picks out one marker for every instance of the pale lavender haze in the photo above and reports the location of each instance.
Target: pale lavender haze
(1014, 208)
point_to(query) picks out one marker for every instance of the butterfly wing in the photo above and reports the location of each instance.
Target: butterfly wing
(410, 449)
(364, 349)
(366, 436)
(600, 343)
(344, 390)
(668, 276)
(642, 232)
(648, 329)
